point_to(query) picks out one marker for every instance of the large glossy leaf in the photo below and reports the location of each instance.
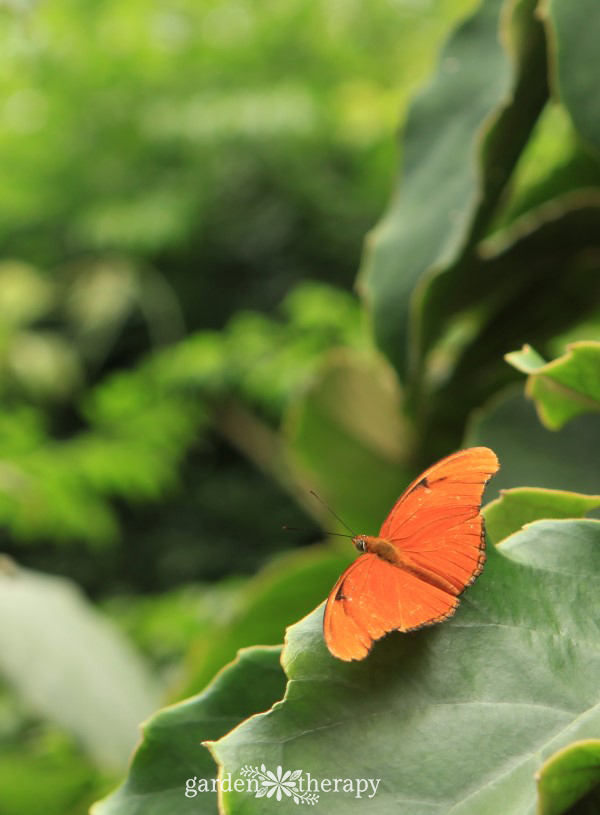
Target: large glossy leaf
(530, 454)
(93, 682)
(453, 719)
(564, 388)
(574, 28)
(171, 752)
(523, 505)
(462, 137)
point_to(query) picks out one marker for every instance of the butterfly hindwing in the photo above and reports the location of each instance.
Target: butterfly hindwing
(373, 597)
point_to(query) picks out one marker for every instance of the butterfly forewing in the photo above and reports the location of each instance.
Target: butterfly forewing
(452, 487)
(436, 523)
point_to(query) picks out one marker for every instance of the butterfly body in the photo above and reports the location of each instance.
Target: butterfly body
(429, 549)
(377, 546)
(386, 550)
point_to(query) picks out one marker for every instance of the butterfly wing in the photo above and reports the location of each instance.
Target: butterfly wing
(373, 597)
(436, 524)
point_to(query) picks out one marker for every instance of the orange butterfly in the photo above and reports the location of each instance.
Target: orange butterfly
(429, 549)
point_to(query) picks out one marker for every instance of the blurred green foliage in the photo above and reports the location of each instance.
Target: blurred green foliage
(242, 144)
(162, 179)
(187, 187)
(42, 769)
(164, 140)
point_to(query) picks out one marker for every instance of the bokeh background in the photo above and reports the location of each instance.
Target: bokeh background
(185, 191)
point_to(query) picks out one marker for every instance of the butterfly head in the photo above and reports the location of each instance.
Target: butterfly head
(360, 543)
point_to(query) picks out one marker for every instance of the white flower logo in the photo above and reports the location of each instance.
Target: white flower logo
(279, 784)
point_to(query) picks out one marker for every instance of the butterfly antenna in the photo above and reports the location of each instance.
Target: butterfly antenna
(312, 492)
(296, 529)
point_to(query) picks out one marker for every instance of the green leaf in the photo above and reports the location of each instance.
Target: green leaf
(567, 776)
(524, 264)
(538, 548)
(171, 750)
(574, 31)
(286, 589)
(523, 505)
(478, 110)
(455, 718)
(553, 162)
(526, 360)
(93, 682)
(564, 388)
(532, 455)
